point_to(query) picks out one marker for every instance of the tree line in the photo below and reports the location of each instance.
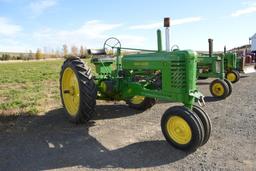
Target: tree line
(65, 52)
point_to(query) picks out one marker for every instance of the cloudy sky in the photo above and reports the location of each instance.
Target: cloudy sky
(32, 24)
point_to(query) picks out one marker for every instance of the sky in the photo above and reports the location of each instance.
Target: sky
(48, 24)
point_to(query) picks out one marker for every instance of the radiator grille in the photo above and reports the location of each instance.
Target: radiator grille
(178, 74)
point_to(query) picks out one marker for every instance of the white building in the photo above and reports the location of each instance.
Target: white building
(253, 42)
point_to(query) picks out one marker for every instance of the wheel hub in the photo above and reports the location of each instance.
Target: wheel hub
(70, 91)
(218, 89)
(137, 99)
(231, 77)
(179, 130)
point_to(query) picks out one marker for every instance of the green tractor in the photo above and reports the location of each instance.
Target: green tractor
(236, 64)
(213, 66)
(238, 61)
(231, 66)
(140, 79)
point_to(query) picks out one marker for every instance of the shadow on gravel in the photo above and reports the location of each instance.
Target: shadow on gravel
(244, 76)
(203, 83)
(211, 99)
(51, 142)
(114, 111)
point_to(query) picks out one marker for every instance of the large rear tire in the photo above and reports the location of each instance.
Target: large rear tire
(78, 90)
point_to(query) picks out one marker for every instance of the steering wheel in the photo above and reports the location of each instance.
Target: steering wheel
(175, 47)
(111, 44)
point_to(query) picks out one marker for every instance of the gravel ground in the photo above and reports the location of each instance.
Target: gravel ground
(122, 138)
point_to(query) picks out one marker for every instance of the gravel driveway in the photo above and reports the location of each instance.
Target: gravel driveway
(122, 138)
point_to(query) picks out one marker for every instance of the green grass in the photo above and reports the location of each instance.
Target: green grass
(29, 87)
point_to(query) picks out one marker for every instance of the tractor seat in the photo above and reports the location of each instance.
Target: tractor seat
(101, 56)
(103, 59)
(97, 52)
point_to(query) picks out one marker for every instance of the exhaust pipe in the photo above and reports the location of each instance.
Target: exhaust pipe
(167, 33)
(210, 41)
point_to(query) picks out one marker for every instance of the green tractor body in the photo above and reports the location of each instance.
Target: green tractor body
(231, 62)
(211, 67)
(163, 75)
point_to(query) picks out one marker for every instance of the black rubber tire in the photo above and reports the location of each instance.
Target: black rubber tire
(230, 87)
(237, 74)
(144, 105)
(194, 122)
(206, 122)
(87, 87)
(224, 85)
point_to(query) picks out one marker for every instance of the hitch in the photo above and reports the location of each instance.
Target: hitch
(199, 96)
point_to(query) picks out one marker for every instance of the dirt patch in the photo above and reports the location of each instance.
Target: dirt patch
(49, 102)
(12, 112)
(3, 99)
(13, 86)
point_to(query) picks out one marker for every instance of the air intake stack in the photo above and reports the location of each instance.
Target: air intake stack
(210, 41)
(167, 33)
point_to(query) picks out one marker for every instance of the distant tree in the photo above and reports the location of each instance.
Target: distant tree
(81, 51)
(30, 55)
(46, 52)
(51, 53)
(39, 54)
(14, 57)
(65, 50)
(6, 57)
(74, 51)
(20, 57)
(57, 54)
(2, 58)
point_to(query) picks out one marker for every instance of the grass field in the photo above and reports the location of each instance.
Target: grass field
(29, 87)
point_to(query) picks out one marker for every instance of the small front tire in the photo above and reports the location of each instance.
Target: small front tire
(204, 117)
(230, 87)
(233, 76)
(219, 88)
(182, 128)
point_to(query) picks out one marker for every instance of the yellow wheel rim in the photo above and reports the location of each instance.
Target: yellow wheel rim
(179, 130)
(103, 86)
(218, 89)
(137, 99)
(231, 76)
(70, 91)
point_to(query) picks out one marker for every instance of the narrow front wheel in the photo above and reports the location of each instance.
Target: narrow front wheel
(204, 117)
(182, 128)
(230, 87)
(219, 88)
(233, 76)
